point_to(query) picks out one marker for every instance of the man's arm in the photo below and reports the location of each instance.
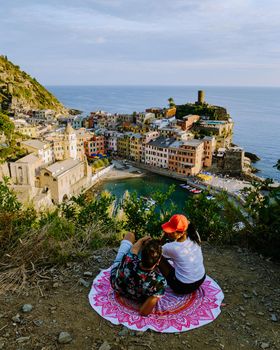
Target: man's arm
(148, 306)
(138, 245)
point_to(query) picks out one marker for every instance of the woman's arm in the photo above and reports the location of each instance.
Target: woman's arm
(148, 306)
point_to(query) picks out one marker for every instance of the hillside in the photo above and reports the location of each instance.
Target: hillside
(20, 92)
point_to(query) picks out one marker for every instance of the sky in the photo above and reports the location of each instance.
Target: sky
(144, 42)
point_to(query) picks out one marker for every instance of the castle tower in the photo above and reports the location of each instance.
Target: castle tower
(201, 97)
(70, 142)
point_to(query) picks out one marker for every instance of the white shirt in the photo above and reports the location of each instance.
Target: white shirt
(187, 259)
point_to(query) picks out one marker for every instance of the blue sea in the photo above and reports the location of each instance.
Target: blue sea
(255, 110)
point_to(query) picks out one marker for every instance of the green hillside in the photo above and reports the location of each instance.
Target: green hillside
(20, 92)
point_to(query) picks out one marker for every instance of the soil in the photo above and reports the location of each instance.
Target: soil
(250, 316)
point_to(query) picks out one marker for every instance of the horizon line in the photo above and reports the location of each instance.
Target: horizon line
(172, 85)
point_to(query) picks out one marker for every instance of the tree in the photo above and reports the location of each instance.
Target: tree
(8, 199)
(171, 102)
(6, 125)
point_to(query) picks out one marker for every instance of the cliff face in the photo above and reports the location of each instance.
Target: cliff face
(20, 92)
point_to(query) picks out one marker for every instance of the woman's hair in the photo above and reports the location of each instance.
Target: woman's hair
(193, 234)
(151, 253)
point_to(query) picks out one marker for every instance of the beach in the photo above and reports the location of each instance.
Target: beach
(124, 170)
(121, 170)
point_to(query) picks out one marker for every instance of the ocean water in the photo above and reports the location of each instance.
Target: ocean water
(145, 186)
(255, 111)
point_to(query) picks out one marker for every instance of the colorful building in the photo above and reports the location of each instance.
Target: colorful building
(95, 146)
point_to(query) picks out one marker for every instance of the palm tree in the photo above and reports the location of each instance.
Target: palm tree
(171, 102)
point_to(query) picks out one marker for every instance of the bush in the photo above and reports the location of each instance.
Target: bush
(144, 218)
(8, 199)
(264, 208)
(30, 240)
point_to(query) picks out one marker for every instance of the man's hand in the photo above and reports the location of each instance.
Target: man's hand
(138, 245)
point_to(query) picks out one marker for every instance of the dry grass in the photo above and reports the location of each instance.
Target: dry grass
(25, 260)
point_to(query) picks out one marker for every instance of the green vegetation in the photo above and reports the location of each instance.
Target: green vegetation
(6, 126)
(100, 163)
(20, 91)
(10, 149)
(30, 240)
(171, 102)
(214, 112)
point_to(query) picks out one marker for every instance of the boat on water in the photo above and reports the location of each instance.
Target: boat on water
(185, 186)
(196, 191)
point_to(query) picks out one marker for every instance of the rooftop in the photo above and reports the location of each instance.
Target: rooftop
(30, 159)
(58, 168)
(35, 144)
(193, 143)
(208, 138)
(163, 142)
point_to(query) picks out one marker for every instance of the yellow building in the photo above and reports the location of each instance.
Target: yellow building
(136, 147)
(123, 145)
(170, 112)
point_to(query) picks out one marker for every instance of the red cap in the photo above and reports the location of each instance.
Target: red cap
(177, 222)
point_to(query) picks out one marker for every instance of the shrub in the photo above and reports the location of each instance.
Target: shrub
(144, 218)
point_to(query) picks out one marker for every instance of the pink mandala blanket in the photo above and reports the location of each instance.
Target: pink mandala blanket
(173, 313)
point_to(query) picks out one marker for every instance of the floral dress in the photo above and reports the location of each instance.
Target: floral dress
(129, 280)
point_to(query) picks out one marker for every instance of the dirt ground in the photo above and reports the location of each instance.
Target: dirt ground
(249, 318)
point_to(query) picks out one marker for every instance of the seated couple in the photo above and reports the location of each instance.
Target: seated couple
(141, 270)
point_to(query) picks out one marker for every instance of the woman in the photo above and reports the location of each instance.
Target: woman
(187, 271)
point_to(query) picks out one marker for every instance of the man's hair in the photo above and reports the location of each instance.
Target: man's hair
(151, 253)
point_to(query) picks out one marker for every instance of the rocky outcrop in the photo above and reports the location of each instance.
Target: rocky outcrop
(252, 156)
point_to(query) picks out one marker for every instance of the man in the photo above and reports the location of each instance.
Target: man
(138, 278)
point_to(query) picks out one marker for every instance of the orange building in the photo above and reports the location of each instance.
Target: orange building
(94, 146)
(186, 123)
(186, 158)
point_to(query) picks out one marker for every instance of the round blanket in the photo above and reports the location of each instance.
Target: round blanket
(173, 312)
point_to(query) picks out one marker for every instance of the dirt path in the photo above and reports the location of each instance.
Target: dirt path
(249, 320)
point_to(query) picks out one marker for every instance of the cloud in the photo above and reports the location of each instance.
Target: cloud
(184, 33)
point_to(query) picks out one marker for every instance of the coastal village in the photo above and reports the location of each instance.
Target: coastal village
(66, 155)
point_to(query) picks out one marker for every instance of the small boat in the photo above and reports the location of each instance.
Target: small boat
(196, 191)
(183, 185)
(191, 189)
(210, 197)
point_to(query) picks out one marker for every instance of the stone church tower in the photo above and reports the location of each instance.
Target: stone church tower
(70, 142)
